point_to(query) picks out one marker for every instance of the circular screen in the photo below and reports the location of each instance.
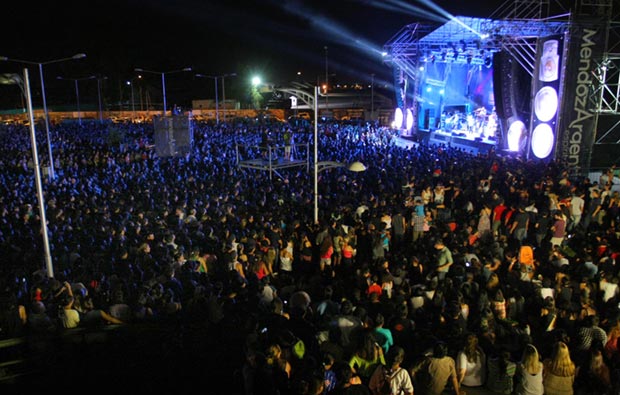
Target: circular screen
(542, 141)
(409, 120)
(546, 104)
(515, 135)
(398, 118)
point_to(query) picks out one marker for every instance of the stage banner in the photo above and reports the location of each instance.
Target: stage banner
(577, 119)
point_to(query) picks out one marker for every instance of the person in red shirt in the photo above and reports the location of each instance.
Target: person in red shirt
(498, 211)
(374, 286)
(326, 252)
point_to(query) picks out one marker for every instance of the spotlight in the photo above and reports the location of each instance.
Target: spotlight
(488, 62)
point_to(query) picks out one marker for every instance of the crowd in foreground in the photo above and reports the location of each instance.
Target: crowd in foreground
(434, 271)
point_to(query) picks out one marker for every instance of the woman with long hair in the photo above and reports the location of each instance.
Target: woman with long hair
(471, 363)
(348, 254)
(367, 356)
(325, 253)
(559, 371)
(593, 378)
(530, 373)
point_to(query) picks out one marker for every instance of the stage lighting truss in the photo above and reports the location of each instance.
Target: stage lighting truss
(468, 40)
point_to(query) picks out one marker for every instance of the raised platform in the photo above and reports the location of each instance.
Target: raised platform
(274, 160)
(274, 164)
(463, 141)
(405, 142)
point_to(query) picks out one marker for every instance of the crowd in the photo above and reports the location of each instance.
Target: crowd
(434, 271)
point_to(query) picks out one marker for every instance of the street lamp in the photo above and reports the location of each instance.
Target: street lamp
(77, 91)
(52, 173)
(215, 78)
(224, 90)
(133, 102)
(372, 97)
(326, 83)
(324, 165)
(163, 80)
(24, 84)
(99, 96)
(217, 108)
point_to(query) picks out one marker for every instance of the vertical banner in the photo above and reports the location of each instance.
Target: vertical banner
(546, 96)
(577, 120)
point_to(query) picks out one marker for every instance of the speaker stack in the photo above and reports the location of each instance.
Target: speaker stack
(173, 135)
(503, 86)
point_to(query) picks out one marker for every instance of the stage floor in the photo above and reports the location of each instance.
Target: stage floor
(462, 140)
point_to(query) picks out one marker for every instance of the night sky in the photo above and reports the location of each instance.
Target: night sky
(275, 39)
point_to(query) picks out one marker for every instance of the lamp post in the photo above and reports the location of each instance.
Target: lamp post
(217, 108)
(224, 90)
(133, 101)
(372, 97)
(99, 97)
(24, 84)
(163, 80)
(326, 82)
(52, 173)
(320, 166)
(77, 92)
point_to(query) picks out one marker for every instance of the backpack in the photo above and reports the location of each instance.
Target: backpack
(386, 387)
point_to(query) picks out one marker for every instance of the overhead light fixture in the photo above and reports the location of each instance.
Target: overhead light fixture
(357, 167)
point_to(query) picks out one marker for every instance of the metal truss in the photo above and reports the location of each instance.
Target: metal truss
(519, 37)
(403, 49)
(604, 99)
(514, 27)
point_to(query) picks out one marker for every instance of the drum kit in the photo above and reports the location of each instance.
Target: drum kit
(478, 123)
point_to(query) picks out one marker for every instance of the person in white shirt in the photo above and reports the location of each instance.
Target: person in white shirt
(471, 363)
(391, 378)
(577, 204)
(608, 287)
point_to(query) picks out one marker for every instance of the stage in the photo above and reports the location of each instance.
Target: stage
(469, 143)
